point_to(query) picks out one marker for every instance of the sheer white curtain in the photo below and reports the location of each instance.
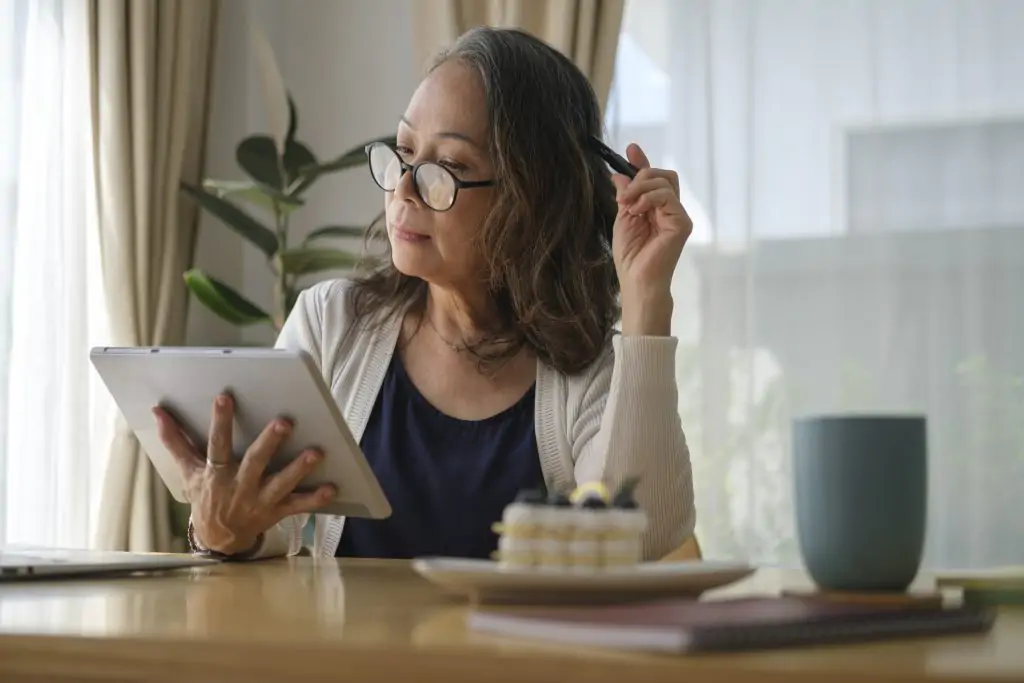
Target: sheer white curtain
(855, 169)
(54, 416)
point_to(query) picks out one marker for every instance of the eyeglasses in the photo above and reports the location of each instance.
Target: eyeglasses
(435, 185)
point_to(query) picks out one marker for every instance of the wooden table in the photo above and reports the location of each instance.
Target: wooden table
(354, 621)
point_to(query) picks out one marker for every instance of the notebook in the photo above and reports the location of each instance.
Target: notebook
(684, 626)
(996, 577)
(997, 586)
(915, 598)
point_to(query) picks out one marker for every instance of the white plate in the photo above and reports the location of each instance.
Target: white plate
(487, 581)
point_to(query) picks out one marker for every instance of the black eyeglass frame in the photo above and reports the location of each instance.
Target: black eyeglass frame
(414, 169)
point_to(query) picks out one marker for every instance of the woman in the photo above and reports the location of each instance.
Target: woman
(481, 358)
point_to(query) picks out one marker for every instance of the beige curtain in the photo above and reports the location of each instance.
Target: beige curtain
(151, 66)
(587, 31)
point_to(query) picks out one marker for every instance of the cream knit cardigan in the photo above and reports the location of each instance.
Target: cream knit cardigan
(616, 419)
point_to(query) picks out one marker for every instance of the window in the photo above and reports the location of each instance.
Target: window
(12, 38)
(54, 420)
(853, 171)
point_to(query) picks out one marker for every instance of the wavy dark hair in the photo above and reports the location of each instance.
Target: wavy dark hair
(546, 239)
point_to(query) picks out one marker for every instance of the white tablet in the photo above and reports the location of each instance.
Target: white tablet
(266, 384)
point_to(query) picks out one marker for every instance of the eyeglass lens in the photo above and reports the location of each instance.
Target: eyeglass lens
(434, 183)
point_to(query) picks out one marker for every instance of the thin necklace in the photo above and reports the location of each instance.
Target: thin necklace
(457, 348)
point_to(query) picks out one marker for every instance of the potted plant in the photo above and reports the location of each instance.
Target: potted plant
(279, 170)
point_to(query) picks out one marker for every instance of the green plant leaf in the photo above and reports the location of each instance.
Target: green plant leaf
(252, 193)
(350, 159)
(293, 120)
(223, 300)
(297, 158)
(226, 188)
(235, 218)
(257, 155)
(336, 231)
(304, 260)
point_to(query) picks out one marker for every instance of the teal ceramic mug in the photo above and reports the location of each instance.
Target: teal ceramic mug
(861, 499)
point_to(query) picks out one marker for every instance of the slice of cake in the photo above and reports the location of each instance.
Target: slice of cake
(625, 526)
(585, 530)
(520, 530)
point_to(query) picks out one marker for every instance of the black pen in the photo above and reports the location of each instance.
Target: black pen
(614, 159)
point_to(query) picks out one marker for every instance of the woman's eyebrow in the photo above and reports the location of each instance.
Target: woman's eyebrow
(454, 135)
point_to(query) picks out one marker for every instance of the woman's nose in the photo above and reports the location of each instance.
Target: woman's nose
(406, 188)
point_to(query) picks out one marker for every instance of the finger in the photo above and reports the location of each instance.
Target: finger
(218, 448)
(640, 187)
(637, 157)
(175, 441)
(254, 464)
(620, 181)
(299, 503)
(662, 198)
(280, 485)
(671, 176)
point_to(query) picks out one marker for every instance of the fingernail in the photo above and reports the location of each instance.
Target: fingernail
(313, 457)
(222, 401)
(329, 491)
(281, 427)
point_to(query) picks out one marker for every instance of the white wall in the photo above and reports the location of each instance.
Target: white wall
(349, 65)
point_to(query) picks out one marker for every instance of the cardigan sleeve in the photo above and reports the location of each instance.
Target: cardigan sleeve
(627, 425)
(301, 331)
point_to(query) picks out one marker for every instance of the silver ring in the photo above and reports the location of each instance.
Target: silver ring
(217, 465)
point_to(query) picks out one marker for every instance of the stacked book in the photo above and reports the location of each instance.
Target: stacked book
(999, 586)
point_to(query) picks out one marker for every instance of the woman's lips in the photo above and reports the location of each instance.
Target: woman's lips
(407, 235)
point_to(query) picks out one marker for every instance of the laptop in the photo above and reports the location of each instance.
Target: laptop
(22, 562)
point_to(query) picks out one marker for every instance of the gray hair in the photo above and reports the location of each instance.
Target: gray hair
(544, 240)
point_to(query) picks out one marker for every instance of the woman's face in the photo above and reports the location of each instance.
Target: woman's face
(446, 123)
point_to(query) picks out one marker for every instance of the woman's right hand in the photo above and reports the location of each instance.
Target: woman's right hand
(232, 503)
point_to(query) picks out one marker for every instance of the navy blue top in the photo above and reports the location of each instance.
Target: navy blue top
(448, 480)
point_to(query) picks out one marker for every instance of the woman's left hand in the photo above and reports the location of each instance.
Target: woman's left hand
(651, 226)
(650, 231)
